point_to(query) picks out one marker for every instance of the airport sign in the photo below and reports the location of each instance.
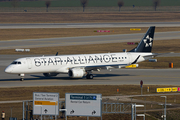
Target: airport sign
(141, 83)
(173, 89)
(138, 29)
(45, 103)
(78, 104)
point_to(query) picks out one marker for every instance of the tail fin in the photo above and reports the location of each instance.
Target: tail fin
(146, 43)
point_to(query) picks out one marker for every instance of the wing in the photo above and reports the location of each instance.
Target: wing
(99, 67)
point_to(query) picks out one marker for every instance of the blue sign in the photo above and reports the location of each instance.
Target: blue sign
(83, 97)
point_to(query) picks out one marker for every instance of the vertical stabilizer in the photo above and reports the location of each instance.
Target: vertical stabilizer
(147, 42)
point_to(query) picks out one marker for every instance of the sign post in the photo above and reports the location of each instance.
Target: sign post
(141, 83)
(83, 104)
(45, 103)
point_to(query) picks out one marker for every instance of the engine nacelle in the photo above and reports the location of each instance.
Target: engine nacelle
(50, 74)
(76, 73)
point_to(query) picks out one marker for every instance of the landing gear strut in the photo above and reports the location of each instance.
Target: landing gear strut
(22, 77)
(89, 75)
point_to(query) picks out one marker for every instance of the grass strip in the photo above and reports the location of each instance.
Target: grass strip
(16, 34)
(80, 17)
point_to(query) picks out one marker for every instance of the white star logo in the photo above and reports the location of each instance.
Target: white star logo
(148, 41)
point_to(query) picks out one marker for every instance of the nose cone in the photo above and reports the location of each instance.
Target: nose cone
(8, 69)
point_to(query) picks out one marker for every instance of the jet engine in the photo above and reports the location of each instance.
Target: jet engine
(76, 73)
(50, 74)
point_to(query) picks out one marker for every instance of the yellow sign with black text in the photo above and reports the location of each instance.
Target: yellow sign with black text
(137, 29)
(174, 89)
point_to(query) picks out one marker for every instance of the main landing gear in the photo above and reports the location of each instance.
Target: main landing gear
(22, 77)
(89, 75)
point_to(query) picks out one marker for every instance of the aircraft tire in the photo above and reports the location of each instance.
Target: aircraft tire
(89, 76)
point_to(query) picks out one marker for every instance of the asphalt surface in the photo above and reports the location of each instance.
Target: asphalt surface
(89, 25)
(114, 77)
(68, 41)
(105, 77)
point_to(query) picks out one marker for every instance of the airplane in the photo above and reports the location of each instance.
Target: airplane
(80, 65)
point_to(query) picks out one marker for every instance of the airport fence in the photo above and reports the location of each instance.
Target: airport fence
(109, 107)
(13, 110)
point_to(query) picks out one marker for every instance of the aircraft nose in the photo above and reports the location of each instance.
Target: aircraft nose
(8, 70)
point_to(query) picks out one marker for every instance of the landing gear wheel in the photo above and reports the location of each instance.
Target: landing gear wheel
(89, 76)
(22, 76)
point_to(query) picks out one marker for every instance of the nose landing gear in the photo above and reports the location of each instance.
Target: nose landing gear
(22, 77)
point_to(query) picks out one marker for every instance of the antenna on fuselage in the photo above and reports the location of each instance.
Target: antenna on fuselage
(124, 50)
(56, 53)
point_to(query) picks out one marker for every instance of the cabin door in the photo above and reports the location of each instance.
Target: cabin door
(29, 62)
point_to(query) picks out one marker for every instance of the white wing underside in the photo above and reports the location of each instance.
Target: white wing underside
(98, 68)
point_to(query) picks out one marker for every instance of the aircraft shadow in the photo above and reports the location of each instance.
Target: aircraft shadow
(39, 77)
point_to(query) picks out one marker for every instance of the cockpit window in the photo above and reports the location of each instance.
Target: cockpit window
(16, 62)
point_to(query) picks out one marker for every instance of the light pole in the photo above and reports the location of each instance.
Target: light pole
(164, 108)
(11, 111)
